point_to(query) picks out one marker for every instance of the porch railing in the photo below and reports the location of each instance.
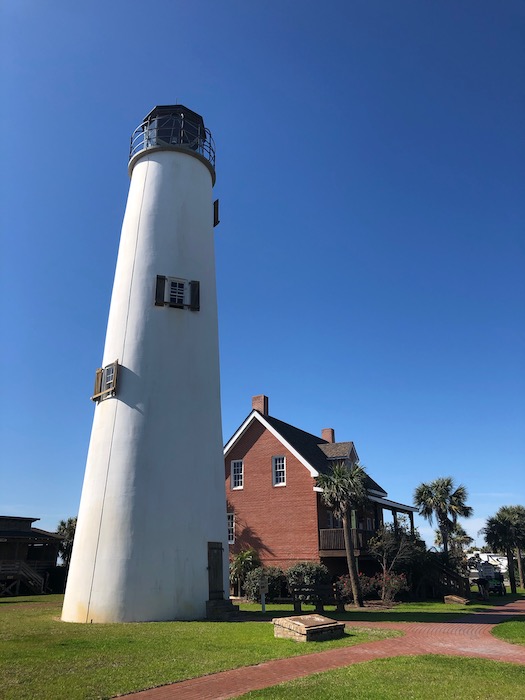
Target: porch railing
(333, 539)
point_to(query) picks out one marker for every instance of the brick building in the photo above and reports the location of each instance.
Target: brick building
(274, 505)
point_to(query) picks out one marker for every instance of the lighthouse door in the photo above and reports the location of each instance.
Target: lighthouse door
(215, 550)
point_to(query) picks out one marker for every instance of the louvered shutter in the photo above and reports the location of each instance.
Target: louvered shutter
(195, 301)
(160, 291)
(98, 384)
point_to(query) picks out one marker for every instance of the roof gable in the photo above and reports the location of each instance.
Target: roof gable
(312, 451)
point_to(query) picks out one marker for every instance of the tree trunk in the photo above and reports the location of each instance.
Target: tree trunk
(352, 569)
(512, 576)
(520, 568)
(444, 539)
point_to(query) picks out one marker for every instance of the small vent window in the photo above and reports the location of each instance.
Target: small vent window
(177, 293)
(105, 382)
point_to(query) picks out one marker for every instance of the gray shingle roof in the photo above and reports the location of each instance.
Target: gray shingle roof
(337, 450)
(316, 451)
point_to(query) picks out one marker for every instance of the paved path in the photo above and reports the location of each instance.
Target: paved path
(468, 636)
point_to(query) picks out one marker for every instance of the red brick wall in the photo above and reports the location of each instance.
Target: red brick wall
(279, 522)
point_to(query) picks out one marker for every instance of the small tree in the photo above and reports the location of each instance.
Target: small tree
(344, 490)
(458, 543)
(240, 564)
(395, 548)
(66, 528)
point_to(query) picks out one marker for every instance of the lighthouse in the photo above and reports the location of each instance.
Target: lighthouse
(151, 537)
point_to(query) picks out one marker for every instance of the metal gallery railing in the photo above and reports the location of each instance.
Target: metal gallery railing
(173, 130)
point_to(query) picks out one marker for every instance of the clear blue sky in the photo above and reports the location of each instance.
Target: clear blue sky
(370, 256)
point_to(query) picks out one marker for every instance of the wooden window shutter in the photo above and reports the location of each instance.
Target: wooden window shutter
(160, 291)
(216, 213)
(98, 384)
(195, 301)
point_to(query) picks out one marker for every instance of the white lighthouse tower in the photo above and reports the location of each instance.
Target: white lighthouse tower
(151, 536)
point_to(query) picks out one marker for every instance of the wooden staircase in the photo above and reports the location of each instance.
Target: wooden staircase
(440, 581)
(17, 575)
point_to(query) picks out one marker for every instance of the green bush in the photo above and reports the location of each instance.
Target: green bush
(306, 573)
(276, 583)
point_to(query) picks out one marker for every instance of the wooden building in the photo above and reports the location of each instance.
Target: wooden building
(27, 555)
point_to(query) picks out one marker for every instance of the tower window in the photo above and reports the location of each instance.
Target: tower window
(177, 293)
(177, 290)
(105, 382)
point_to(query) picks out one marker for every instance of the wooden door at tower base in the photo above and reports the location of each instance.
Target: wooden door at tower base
(215, 583)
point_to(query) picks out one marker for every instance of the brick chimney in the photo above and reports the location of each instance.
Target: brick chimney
(260, 403)
(328, 434)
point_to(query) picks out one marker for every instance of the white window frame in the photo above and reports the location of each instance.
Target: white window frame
(105, 382)
(231, 528)
(237, 476)
(180, 298)
(186, 293)
(279, 470)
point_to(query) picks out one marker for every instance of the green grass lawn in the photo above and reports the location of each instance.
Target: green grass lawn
(417, 678)
(41, 657)
(513, 631)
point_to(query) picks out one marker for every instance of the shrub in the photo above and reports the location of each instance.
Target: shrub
(308, 574)
(390, 585)
(368, 587)
(387, 586)
(276, 583)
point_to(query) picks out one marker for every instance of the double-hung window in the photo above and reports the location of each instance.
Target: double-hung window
(237, 474)
(231, 528)
(279, 471)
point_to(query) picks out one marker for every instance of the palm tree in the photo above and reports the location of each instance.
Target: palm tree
(66, 528)
(441, 500)
(240, 564)
(344, 490)
(505, 532)
(519, 514)
(458, 539)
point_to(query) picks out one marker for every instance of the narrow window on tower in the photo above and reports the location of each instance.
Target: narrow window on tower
(237, 474)
(279, 471)
(177, 293)
(105, 382)
(231, 528)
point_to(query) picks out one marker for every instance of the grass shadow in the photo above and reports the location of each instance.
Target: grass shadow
(430, 611)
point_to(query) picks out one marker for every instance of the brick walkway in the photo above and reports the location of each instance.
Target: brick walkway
(468, 636)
